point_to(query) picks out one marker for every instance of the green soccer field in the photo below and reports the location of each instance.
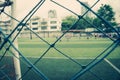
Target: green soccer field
(74, 47)
(56, 63)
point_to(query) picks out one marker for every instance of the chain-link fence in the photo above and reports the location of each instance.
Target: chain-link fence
(69, 56)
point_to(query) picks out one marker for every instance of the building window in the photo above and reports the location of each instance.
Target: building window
(43, 27)
(34, 23)
(53, 27)
(34, 28)
(43, 23)
(53, 22)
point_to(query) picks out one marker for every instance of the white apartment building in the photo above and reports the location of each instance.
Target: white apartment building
(34, 23)
(5, 26)
(45, 24)
(52, 23)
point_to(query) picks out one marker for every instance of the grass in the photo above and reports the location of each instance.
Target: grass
(57, 67)
(78, 48)
(7, 69)
(64, 69)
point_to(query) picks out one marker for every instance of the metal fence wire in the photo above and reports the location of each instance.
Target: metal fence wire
(86, 68)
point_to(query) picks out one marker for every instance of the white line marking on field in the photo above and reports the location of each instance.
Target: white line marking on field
(112, 65)
(59, 57)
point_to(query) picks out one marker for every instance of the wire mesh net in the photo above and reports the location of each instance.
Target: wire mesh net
(60, 55)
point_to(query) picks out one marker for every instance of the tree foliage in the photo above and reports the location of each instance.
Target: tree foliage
(68, 22)
(106, 12)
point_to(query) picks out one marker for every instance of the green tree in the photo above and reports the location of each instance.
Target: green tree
(106, 12)
(68, 21)
(83, 24)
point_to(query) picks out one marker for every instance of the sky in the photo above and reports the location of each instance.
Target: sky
(24, 6)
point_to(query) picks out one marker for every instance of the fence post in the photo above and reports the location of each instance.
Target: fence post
(16, 60)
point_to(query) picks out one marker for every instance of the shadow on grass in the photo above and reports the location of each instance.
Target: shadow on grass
(64, 69)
